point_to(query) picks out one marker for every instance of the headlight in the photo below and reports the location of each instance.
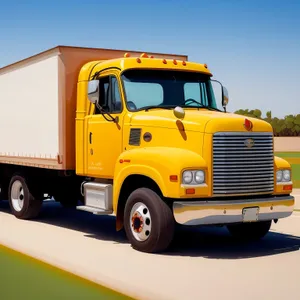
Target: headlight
(187, 177)
(279, 176)
(286, 175)
(283, 175)
(193, 177)
(199, 177)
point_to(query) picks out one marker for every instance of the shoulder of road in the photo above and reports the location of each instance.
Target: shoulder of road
(296, 194)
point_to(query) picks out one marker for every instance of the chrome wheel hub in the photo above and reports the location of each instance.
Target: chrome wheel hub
(17, 195)
(140, 222)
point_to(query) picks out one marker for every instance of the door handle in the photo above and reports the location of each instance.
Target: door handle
(91, 134)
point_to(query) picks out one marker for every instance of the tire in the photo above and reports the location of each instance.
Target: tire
(21, 201)
(250, 231)
(145, 207)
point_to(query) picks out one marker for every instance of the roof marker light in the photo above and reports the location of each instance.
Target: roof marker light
(205, 66)
(164, 61)
(174, 61)
(126, 55)
(184, 63)
(144, 55)
(138, 60)
(151, 56)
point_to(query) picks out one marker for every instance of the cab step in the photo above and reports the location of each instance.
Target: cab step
(94, 210)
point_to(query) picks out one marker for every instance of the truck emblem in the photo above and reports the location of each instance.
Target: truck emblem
(249, 143)
(248, 124)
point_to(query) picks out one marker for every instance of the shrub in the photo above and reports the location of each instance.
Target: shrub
(288, 126)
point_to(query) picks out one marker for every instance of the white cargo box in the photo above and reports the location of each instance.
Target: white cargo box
(38, 105)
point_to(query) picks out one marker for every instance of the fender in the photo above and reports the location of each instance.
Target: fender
(281, 163)
(157, 163)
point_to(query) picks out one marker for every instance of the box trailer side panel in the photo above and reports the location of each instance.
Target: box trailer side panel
(38, 105)
(29, 119)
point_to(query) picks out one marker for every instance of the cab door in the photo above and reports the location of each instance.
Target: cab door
(104, 136)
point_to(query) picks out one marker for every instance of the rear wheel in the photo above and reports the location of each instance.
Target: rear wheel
(148, 221)
(21, 200)
(250, 231)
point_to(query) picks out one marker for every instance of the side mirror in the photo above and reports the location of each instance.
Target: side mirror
(225, 97)
(93, 91)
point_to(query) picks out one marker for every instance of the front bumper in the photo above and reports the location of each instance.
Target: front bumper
(232, 211)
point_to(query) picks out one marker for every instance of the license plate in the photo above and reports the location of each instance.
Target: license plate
(250, 214)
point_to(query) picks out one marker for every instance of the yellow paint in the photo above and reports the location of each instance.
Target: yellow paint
(171, 150)
(146, 63)
(172, 161)
(293, 160)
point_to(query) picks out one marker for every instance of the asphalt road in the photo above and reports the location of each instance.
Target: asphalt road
(202, 263)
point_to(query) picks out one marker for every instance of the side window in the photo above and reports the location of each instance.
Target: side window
(116, 103)
(104, 95)
(110, 98)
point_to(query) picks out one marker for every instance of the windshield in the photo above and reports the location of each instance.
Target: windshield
(160, 88)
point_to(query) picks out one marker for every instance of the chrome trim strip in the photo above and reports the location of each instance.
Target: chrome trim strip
(284, 183)
(241, 133)
(231, 211)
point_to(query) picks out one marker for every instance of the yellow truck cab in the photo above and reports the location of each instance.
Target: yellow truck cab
(155, 146)
(153, 127)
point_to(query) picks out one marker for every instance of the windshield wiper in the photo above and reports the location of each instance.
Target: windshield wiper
(146, 108)
(201, 106)
(187, 106)
(211, 108)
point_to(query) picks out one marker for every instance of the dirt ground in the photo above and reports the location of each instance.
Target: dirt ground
(204, 263)
(287, 144)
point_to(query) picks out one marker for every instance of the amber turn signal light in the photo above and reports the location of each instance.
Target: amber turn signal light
(173, 178)
(190, 191)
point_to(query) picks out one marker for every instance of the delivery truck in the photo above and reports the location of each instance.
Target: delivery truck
(144, 137)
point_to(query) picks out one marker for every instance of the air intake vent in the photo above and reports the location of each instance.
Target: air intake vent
(135, 136)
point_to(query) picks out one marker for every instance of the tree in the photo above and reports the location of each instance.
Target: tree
(288, 126)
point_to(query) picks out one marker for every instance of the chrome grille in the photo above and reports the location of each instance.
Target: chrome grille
(238, 167)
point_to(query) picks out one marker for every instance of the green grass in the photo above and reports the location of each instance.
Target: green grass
(287, 154)
(296, 176)
(22, 277)
(296, 172)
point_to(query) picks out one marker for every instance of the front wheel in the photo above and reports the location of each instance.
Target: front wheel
(250, 231)
(148, 221)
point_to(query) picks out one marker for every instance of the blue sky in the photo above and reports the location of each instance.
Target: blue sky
(253, 47)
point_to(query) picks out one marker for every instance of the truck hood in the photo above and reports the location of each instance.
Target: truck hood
(201, 120)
